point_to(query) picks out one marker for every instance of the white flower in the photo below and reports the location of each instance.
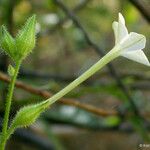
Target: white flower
(130, 45)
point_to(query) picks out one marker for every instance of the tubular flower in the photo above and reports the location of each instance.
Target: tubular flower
(129, 45)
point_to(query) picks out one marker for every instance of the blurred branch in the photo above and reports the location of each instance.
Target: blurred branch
(141, 86)
(139, 4)
(138, 76)
(38, 75)
(66, 101)
(135, 75)
(112, 70)
(79, 7)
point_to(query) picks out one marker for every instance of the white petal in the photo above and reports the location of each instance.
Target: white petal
(115, 28)
(133, 41)
(121, 19)
(122, 30)
(137, 56)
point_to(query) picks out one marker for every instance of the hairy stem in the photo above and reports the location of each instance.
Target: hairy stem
(8, 106)
(102, 62)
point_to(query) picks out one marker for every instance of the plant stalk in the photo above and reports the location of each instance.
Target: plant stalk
(8, 106)
(101, 63)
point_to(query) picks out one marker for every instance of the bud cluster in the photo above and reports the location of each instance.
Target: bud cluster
(18, 48)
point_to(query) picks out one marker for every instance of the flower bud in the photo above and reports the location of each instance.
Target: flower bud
(25, 40)
(27, 115)
(7, 42)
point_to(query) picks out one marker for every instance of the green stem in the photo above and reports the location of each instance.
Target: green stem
(8, 106)
(102, 62)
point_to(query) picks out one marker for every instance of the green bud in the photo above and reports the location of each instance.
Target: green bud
(11, 70)
(25, 40)
(20, 47)
(7, 42)
(27, 115)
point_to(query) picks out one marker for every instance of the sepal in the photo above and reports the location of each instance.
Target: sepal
(25, 40)
(7, 42)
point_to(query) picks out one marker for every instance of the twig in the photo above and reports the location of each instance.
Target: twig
(81, 5)
(139, 5)
(141, 86)
(66, 101)
(60, 78)
(77, 8)
(112, 70)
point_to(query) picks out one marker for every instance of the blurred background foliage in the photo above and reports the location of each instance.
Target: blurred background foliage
(60, 55)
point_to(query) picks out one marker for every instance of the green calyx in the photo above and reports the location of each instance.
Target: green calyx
(18, 48)
(7, 42)
(26, 116)
(25, 40)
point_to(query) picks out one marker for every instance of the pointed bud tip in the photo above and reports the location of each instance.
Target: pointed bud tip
(31, 21)
(27, 33)
(33, 18)
(3, 31)
(3, 28)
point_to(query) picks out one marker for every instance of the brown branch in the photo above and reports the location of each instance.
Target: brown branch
(60, 78)
(76, 9)
(66, 101)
